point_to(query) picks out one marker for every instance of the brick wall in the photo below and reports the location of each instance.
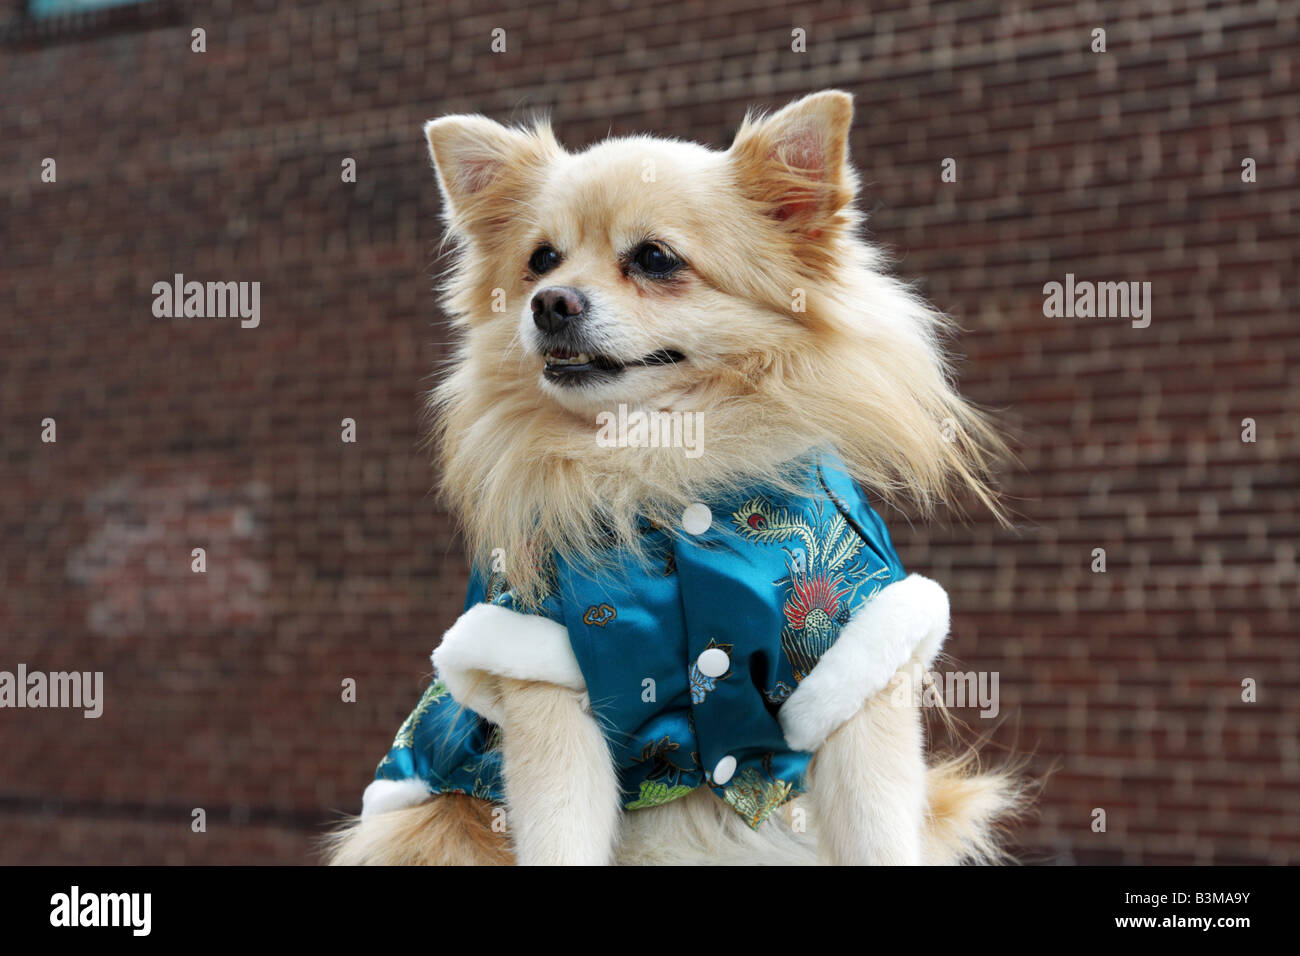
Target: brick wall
(329, 560)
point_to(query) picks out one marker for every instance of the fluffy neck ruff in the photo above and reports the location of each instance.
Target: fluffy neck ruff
(524, 476)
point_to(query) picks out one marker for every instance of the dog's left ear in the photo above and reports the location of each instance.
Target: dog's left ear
(794, 163)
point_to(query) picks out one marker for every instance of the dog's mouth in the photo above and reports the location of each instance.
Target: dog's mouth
(575, 368)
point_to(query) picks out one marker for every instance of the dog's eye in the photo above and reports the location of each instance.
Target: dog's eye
(543, 260)
(655, 260)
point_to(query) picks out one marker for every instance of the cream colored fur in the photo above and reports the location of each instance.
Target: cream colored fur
(560, 783)
(794, 337)
(871, 800)
(868, 787)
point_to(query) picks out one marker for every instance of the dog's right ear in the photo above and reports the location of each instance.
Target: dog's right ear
(482, 165)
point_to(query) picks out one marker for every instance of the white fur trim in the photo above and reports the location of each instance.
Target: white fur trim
(905, 617)
(385, 795)
(493, 641)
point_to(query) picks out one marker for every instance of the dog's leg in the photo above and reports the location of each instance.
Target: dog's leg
(868, 785)
(562, 792)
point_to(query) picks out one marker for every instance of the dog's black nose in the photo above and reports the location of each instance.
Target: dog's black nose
(556, 306)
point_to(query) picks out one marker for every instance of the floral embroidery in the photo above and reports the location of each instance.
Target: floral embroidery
(433, 694)
(487, 767)
(755, 795)
(701, 685)
(659, 755)
(654, 794)
(819, 595)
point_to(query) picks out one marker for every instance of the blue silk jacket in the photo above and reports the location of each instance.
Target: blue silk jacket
(687, 660)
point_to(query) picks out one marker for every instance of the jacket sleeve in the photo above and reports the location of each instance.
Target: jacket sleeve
(440, 748)
(496, 638)
(450, 742)
(906, 618)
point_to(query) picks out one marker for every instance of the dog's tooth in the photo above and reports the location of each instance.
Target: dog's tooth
(553, 358)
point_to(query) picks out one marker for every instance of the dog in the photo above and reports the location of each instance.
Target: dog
(703, 654)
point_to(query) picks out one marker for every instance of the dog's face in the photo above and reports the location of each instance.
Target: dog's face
(641, 270)
(669, 277)
(616, 298)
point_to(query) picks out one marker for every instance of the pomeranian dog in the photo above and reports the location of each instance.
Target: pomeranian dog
(688, 638)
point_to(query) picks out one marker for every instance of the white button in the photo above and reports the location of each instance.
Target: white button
(723, 771)
(713, 662)
(697, 519)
